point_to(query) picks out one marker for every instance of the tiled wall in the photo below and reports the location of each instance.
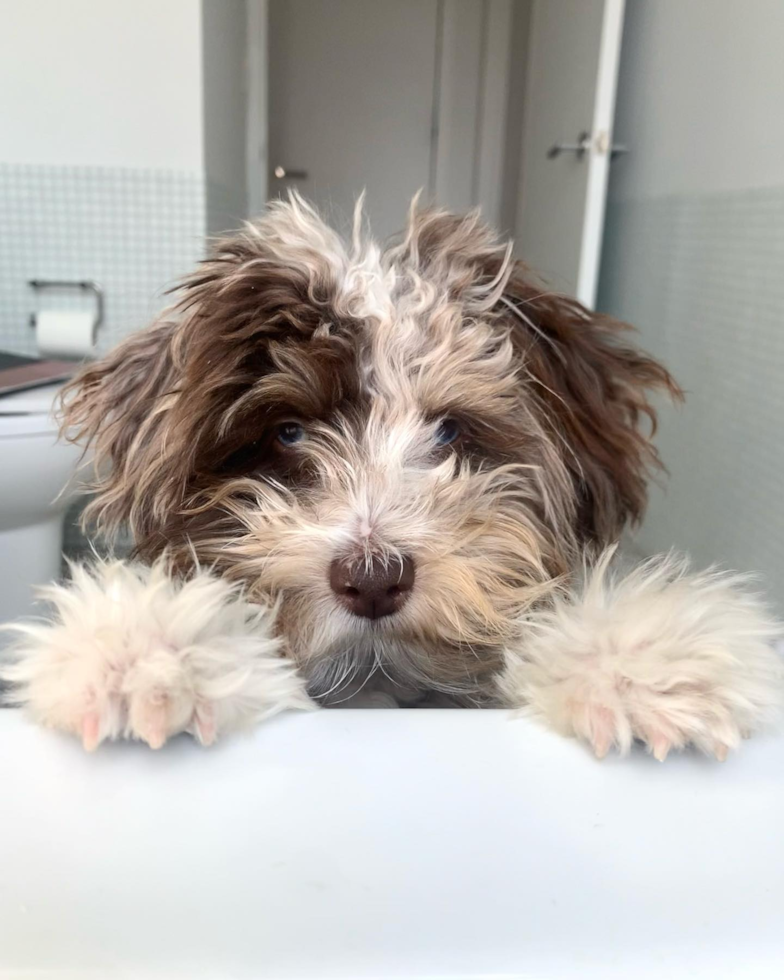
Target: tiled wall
(134, 231)
(701, 276)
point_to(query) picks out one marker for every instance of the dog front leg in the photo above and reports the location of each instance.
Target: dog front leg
(661, 656)
(131, 652)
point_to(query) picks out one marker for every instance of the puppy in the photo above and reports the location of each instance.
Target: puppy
(353, 469)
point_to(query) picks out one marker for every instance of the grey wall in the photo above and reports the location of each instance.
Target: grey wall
(101, 157)
(224, 58)
(694, 256)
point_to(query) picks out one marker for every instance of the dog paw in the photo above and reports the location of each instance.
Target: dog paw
(130, 652)
(660, 719)
(663, 657)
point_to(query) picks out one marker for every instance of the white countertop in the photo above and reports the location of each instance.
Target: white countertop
(412, 844)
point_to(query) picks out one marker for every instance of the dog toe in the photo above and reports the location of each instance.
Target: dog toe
(91, 731)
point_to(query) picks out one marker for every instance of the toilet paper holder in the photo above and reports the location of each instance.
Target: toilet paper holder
(86, 285)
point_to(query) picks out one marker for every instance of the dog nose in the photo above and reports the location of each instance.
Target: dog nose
(372, 589)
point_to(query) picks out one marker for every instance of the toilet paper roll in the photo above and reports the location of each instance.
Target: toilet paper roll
(63, 333)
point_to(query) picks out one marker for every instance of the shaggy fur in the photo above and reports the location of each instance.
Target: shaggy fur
(660, 655)
(131, 652)
(375, 353)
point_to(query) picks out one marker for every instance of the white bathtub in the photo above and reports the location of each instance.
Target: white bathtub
(412, 844)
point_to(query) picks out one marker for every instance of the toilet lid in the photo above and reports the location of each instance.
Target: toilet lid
(28, 412)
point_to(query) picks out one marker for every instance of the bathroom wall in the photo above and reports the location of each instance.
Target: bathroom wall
(122, 141)
(102, 166)
(694, 253)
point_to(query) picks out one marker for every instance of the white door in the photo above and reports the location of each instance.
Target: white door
(351, 88)
(573, 54)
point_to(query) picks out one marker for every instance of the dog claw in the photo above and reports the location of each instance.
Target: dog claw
(153, 725)
(91, 731)
(660, 748)
(601, 746)
(721, 751)
(204, 724)
(155, 739)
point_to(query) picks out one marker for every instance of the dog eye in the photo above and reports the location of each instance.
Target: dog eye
(448, 430)
(290, 433)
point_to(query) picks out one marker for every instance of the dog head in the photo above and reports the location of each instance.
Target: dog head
(405, 446)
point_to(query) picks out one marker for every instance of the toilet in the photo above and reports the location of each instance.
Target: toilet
(34, 468)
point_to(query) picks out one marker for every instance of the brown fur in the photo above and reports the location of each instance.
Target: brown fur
(283, 322)
(594, 389)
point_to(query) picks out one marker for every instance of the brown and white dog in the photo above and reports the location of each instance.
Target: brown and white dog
(353, 469)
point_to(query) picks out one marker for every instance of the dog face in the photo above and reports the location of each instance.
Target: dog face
(403, 447)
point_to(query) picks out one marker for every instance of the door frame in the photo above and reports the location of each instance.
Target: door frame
(257, 107)
(600, 156)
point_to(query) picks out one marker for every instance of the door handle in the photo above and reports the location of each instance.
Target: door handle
(580, 148)
(282, 174)
(583, 145)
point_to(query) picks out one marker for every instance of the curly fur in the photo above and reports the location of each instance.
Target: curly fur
(369, 349)
(661, 655)
(128, 651)
(372, 347)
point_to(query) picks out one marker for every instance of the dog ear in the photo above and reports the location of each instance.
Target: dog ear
(152, 409)
(594, 389)
(116, 409)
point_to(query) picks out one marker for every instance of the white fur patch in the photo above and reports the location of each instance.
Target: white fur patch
(132, 652)
(663, 656)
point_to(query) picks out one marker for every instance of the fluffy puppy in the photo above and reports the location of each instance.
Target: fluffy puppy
(354, 468)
